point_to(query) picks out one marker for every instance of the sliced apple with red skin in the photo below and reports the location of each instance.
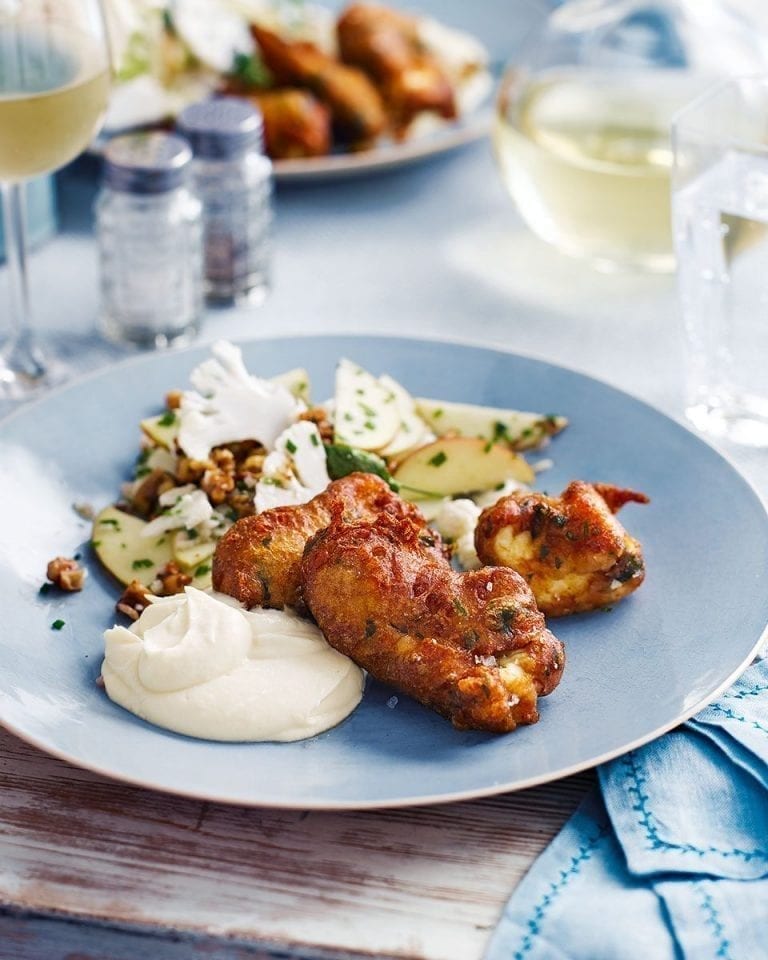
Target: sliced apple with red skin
(518, 428)
(453, 465)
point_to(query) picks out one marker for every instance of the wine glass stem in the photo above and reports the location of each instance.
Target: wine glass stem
(21, 354)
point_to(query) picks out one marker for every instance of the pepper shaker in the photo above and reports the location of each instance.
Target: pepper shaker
(149, 230)
(233, 179)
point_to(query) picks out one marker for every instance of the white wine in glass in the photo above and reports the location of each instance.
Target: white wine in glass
(54, 86)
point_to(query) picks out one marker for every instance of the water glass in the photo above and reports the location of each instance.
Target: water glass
(720, 220)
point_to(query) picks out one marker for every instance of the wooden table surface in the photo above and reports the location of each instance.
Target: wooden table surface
(91, 869)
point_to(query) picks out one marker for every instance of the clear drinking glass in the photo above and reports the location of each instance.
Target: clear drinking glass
(54, 85)
(582, 127)
(720, 215)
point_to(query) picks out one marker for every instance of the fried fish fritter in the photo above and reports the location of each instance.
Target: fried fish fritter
(472, 646)
(258, 559)
(386, 45)
(296, 124)
(356, 106)
(571, 549)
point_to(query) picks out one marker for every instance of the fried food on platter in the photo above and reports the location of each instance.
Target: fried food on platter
(386, 45)
(571, 549)
(296, 124)
(472, 646)
(258, 559)
(355, 104)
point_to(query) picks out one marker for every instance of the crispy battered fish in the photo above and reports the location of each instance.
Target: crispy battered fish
(296, 124)
(258, 559)
(356, 105)
(386, 45)
(571, 549)
(472, 646)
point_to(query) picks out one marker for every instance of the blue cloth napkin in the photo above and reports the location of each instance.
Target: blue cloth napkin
(669, 858)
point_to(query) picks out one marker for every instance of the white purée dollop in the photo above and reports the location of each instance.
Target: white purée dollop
(200, 664)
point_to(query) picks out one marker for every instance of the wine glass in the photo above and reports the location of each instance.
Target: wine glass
(54, 86)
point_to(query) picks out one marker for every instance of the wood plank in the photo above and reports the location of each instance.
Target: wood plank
(423, 883)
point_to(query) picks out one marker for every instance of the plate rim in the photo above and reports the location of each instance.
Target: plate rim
(410, 801)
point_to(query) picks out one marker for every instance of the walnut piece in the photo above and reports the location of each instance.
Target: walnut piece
(67, 574)
(219, 480)
(145, 497)
(134, 600)
(172, 580)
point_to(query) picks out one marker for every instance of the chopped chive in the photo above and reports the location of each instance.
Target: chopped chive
(459, 607)
(111, 522)
(167, 420)
(439, 459)
(290, 446)
(203, 569)
(57, 624)
(142, 564)
(315, 441)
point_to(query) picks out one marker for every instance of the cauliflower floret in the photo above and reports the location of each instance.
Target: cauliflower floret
(455, 522)
(295, 471)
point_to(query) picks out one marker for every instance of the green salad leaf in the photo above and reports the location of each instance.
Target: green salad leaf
(343, 460)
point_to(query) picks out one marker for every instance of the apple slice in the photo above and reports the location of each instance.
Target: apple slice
(296, 381)
(127, 555)
(522, 430)
(366, 414)
(453, 465)
(190, 554)
(412, 432)
(163, 429)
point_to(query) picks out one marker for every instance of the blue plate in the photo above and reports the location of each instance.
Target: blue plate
(632, 672)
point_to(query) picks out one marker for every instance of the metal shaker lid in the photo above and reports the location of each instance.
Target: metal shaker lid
(146, 162)
(221, 128)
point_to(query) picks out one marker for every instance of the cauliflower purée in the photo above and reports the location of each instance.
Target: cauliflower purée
(200, 664)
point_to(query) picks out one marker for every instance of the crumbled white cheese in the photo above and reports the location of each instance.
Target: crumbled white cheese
(231, 405)
(213, 31)
(456, 521)
(184, 508)
(295, 471)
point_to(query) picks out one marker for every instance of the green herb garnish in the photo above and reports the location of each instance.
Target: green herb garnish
(57, 624)
(439, 459)
(251, 70)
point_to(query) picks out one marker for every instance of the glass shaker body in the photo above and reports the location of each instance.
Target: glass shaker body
(233, 179)
(582, 136)
(149, 231)
(237, 219)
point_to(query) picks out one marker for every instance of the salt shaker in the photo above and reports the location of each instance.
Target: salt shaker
(149, 230)
(233, 179)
